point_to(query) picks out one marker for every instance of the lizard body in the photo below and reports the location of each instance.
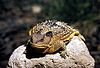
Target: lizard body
(51, 36)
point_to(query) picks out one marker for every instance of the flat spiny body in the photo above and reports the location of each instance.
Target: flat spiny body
(51, 36)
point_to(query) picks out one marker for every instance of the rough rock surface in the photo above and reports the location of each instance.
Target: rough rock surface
(77, 56)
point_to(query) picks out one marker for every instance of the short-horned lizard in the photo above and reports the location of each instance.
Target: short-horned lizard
(52, 36)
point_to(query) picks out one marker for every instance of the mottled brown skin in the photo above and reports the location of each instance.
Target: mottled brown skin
(52, 36)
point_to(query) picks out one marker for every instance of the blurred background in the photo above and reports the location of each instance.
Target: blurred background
(18, 16)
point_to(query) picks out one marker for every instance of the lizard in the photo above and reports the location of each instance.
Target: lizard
(52, 36)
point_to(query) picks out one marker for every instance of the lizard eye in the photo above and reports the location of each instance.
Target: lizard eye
(49, 34)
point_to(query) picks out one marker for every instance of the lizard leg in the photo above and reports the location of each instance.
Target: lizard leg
(62, 52)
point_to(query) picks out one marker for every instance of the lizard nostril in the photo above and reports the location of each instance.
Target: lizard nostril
(49, 34)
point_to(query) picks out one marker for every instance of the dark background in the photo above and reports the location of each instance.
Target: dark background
(18, 16)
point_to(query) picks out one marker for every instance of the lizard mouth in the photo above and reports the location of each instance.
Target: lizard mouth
(39, 48)
(40, 45)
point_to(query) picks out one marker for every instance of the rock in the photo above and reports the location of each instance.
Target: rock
(77, 56)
